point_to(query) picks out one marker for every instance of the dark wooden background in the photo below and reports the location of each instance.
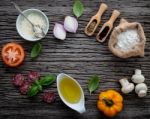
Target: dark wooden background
(79, 56)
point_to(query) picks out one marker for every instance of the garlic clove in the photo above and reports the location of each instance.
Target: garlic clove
(59, 31)
(70, 24)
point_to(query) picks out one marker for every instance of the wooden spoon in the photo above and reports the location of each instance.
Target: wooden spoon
(95, 20)
(107, 27)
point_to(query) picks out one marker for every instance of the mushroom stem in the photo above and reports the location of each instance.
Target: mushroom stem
(138, 72)
(127, 87)
(124, 82)
(142, 93)
(138, 77)
(141, 89)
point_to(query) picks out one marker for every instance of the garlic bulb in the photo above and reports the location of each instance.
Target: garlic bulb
(59, 31)
(70, 24)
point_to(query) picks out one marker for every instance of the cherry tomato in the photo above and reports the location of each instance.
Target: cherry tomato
(13, 54)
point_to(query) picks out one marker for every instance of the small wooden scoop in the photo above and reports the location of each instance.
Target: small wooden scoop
(107, 27)
(95, 20)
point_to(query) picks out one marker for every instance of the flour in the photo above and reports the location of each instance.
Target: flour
(127, 40)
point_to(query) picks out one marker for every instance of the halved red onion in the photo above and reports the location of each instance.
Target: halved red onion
(70, 24)
(59, 31)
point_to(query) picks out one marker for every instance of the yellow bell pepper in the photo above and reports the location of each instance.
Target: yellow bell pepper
(110, 102)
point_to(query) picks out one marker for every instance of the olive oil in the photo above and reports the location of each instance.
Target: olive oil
(70, 90)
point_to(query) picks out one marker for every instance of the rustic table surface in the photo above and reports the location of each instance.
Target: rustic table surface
(79, 56)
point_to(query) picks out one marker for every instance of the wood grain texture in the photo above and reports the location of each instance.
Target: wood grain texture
(79, 56)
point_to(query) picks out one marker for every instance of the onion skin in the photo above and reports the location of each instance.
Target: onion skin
(70, 24)
(59, 31)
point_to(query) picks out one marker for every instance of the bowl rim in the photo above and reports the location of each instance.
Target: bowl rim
(18, 21)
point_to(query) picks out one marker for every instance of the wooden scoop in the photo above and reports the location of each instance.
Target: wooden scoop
(107, 27)
(95, 20)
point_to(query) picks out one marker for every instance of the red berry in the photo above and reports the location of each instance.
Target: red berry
(49, 97)
(24, 88)
(18, 80)
(33, 75)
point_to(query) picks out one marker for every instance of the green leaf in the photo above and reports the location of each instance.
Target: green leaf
(78, 8)
(47, 80)
(36, 49)
(93, 83)
(33, 90)
(39, 86)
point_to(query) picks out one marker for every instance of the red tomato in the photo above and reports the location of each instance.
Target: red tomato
(13, 54)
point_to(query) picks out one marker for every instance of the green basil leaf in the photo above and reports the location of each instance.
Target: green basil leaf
(47, 80)
(78, 8)
(36, 50)
(33, 91)
(93, 83)
(39, 86)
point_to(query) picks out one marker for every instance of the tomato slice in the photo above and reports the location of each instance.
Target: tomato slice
(13, 54)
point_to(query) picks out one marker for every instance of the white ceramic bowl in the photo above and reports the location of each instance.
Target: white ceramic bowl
(79, 106)
(26, 13)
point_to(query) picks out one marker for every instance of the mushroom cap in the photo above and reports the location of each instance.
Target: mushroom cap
(138, 78)
(129, 88)
(141, 89)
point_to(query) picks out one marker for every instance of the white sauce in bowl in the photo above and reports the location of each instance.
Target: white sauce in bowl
(25, 29)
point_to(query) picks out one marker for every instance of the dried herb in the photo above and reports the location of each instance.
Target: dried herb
(93, 83)
(78, 8)
(36, 50)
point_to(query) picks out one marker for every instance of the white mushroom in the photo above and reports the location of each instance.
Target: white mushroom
(138, 77)
(126, 86)
(141, 89)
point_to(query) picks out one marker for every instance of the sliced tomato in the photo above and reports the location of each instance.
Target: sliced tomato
(13, 54)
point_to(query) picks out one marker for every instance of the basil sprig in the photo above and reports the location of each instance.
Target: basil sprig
(47, 80)
(37, 86)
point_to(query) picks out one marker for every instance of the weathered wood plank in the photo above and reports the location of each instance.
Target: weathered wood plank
(79, 55)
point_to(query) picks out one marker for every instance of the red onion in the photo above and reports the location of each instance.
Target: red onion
(59, 31)
(70, 24)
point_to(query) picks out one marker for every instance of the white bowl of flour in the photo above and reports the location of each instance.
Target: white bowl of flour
(24, 28)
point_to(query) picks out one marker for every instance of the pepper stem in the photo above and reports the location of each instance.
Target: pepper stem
(108, 102)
